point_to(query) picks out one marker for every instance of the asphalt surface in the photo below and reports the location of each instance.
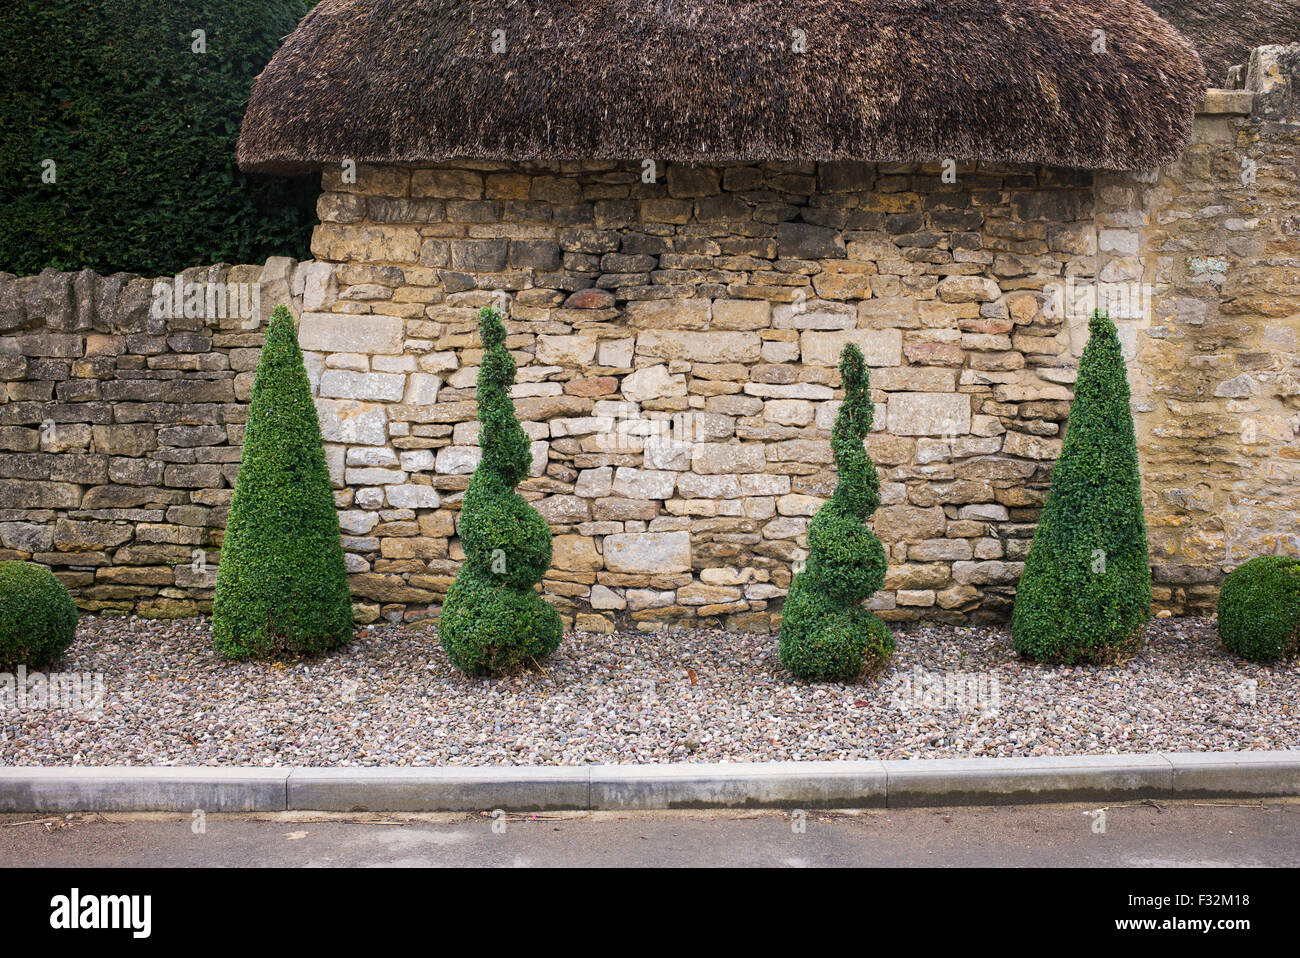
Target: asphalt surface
(1145, 835)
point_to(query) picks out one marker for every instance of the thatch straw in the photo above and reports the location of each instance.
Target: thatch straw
(1225, 31)
(717, 80)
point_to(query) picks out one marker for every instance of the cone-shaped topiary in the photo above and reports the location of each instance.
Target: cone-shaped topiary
(1086, 589)
(282, 585)
(493, 620)
(826, 632)
(38, 618)
(1259, 609)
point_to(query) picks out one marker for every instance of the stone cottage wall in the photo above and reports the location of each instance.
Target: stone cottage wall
(677, 343)
(1215, 238)
(677, 336)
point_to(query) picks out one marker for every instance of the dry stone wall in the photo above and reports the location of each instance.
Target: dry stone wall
(677, 343)
(121, 425)
(677, 338)
(1215, 239)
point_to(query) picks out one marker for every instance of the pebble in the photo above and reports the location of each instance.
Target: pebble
(391, 698)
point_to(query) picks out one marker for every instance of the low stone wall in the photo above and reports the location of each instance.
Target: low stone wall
(677, 342)
(120, 430)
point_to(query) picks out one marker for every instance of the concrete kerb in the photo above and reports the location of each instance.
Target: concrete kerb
(143, 789)
(734, 785)
(866, 784)
(519, 788)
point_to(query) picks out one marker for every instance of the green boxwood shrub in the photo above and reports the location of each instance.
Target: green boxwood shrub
(1259, 609)
(282, 586)
(1086, 589)
(142, 130)
(38, 618)
(493, 620)
(826, 632)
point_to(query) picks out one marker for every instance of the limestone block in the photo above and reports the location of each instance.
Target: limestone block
(458, 460)
(411, 496)
(337, 333)
(616, 352)
(929, 414)
(352, 422)
(644, 483)
(594, 483)
(575, 554)
(880, 347)
(653, 382)
(346, 384)
(706, 347)
(648, 552)
(724, 458)
(566, 350)
(422, 389)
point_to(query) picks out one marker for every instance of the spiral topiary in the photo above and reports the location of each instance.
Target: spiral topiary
(38, 618)
(494, 621)
(1259, 609)
(826, 632)
(1086, 589)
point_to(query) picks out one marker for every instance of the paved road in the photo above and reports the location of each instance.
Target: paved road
(1134, 835)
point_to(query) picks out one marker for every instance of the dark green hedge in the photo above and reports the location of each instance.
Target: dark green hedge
(282, 585)
(493, 621)
(1259, 609)
(1086, 589)
(38, 618)
(827, 634)
(142, 131)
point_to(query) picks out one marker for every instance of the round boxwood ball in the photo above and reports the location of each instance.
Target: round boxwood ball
(38, 618)
(1259, 609)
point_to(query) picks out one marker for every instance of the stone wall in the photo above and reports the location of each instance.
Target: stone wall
(120, 430)
(1216, 238)
(677, 342)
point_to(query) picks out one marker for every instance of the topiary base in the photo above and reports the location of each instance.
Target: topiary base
(1066, 614)
(489, 628)
(1259, 609)
(38, 619)
(823, 641)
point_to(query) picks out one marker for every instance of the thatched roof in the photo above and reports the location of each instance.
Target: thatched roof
(1225, 31)
(717, 80)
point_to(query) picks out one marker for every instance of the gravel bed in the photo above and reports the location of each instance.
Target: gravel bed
(391, 698)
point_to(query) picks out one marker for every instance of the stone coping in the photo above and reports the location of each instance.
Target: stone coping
(1217, 102)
